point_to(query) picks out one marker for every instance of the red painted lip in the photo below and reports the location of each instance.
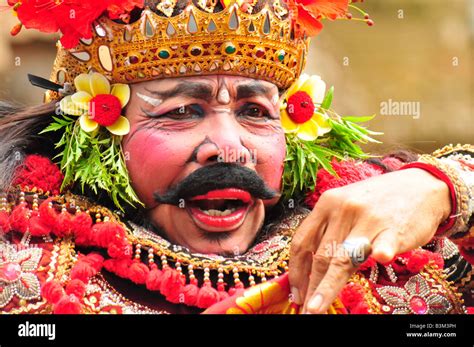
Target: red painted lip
(221, 223)
(228, 193)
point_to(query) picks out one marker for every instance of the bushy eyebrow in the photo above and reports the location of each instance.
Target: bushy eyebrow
(252, 89)
(193, 90)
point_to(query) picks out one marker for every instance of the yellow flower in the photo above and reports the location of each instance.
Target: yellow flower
(98, 103)
(299, 114)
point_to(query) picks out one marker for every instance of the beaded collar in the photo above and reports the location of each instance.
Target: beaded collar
(266, 259)
(205, 278)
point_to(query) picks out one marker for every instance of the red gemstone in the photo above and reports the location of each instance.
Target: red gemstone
(10, 272)
(133, 59)
(418, 305)
(105, 109)
(259, 53)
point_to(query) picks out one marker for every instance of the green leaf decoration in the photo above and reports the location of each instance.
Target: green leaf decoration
(327, 101)
(94, 160)
(305, 158)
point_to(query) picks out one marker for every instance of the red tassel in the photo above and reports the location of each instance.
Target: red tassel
(191, 292)
(64, 225)
(177, 296)
(4, 222)
(69, 304)
(48, 215)
(94, 259)
(171, 282)
(138, 272)
(81, 225)
(153, 280)
(82, 271)
(120, 248)
(118, 266)
(76, 287)
(105, 233)
(52, 291)
(36, 226)
(207, 296)
(19, 218)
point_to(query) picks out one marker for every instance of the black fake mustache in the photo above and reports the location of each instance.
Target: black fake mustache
(217, 176)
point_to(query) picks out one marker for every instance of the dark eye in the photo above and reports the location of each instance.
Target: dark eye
(254, 111)
(193, 111)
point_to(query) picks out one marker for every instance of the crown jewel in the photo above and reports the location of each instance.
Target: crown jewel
(180, 38)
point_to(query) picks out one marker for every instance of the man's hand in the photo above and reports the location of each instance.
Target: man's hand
(397, 212)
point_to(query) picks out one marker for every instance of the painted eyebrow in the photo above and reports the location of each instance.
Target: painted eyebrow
(252, 89)
(194, 90)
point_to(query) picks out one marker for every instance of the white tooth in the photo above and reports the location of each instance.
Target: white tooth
(212, 212)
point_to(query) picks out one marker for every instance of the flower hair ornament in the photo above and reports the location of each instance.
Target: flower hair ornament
(92, 128)
(107, 45)
(316, 134)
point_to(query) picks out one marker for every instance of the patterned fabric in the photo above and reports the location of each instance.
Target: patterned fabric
(461, 160)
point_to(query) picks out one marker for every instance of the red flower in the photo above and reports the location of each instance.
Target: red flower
(300, 107)
(73, 18)
(308, 13)
(105, 109)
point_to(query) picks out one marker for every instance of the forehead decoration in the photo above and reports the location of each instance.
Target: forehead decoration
(107, 45)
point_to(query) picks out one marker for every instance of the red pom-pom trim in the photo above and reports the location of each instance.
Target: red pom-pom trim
(69, 304)
(207, 296)
(39, 172)
(153, 280)
(138, 272)
(52, 291)
(4, 223)
(76, 287)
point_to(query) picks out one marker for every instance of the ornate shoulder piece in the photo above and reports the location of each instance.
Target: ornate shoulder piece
(26, 264)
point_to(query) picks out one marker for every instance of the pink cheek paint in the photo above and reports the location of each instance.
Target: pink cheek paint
(154, 162)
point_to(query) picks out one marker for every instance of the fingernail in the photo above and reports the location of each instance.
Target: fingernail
(315, 303)
(295, 294)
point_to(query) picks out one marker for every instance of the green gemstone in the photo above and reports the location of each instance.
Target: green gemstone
(230, 49)
(281, 56)
(164, 54)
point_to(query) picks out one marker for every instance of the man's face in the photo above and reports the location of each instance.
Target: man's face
(205, 154)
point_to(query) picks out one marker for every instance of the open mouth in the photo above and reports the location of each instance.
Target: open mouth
(220, 210)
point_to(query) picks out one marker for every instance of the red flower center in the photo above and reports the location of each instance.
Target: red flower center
(300, 107)
(105, 109)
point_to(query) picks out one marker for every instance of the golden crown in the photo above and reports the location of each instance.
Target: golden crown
(170, 40)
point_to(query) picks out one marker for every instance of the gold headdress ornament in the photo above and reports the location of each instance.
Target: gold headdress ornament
(131, 41)
(172, 41)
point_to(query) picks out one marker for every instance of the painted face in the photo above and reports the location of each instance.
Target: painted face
(205, 155)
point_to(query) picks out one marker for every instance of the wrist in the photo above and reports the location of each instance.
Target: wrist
(446, 202)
